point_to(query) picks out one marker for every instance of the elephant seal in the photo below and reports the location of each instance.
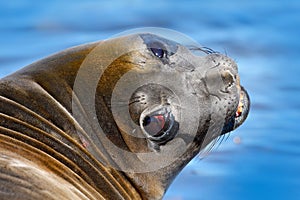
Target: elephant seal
(115, 119)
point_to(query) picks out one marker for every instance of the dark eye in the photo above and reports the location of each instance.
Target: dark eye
(160, 53)
(158, 49)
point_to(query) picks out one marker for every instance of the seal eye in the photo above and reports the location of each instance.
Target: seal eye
(158, 49)
(160, 53)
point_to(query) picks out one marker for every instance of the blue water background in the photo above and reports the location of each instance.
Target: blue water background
(260, 160)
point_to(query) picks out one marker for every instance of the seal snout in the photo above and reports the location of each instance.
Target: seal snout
(222, 83)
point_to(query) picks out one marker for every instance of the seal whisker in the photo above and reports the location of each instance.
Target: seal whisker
(132, 102)
(214, 144)
(227, 136)
(202, 49)
(220, 139)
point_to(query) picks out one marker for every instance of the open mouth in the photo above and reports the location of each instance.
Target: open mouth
(243, 108)
(241, 113)
(159, 124)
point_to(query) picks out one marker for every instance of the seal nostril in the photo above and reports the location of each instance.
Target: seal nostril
(227, 78)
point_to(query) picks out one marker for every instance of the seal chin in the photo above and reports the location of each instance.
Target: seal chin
(240, 114)
(158, 124)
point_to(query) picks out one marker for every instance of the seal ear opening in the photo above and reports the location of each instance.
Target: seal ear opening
(156, 125)
(159, 126)
(227, 78)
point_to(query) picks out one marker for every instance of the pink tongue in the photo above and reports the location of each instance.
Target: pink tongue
(155, 125)
(239, 111)
(161, 120)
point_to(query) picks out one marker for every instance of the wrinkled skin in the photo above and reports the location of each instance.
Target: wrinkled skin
(116, 119)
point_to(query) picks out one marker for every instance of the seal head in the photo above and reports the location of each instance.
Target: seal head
(115, 119)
